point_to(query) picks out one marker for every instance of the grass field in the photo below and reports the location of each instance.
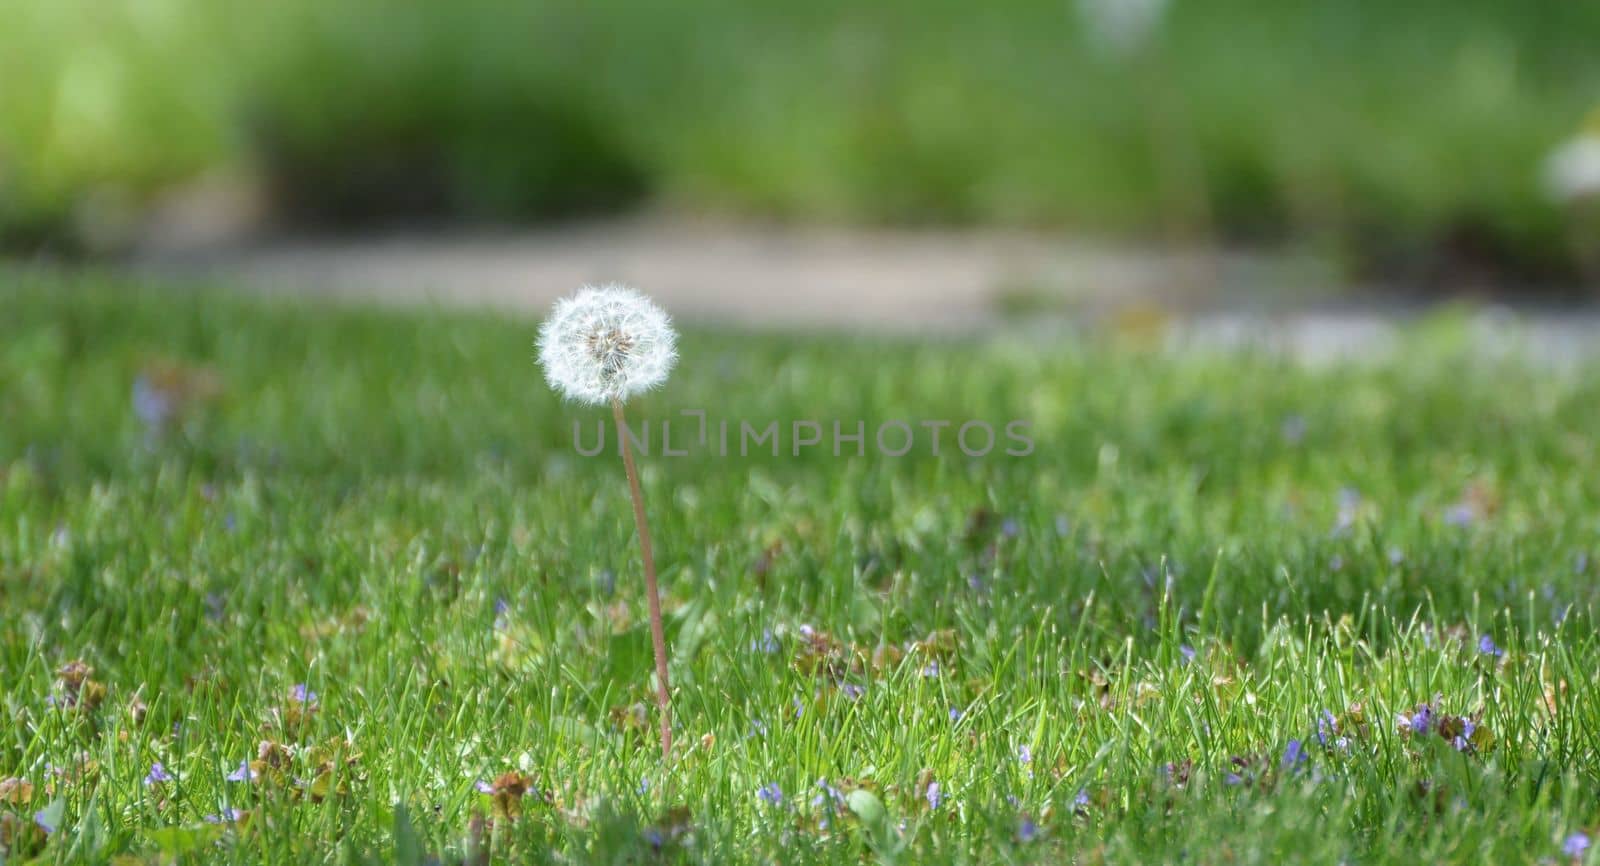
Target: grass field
(297, 585)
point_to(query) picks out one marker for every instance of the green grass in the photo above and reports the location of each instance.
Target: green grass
(368, 487)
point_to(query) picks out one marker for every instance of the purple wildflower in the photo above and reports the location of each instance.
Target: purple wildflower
(1063, 525)
(1233, 779)
(1460, 514)
(932, 670)
(1187, 652)
(830, 795)
(1294, 756)
(1421, 721)
(1487, 647)
(1010, 528)
(153, 405)
(771, 793)
(44, 821)
(482, 787)
(1027, 831)
(1576, 845)
(301, 694)
(853, 691)
(1326, 724)
(243, 774)
(229, 816)
(157, 775)
(1082, 800)
(768, 644)
(1024, 754)
(935, 795)
(955, 714)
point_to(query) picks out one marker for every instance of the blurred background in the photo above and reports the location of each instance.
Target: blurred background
(997, 157)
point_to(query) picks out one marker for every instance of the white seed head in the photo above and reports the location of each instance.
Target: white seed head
(606, 344)
(1572, 172)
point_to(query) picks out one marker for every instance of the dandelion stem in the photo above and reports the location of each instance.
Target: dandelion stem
(657, 636)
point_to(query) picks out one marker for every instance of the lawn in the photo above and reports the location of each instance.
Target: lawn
(295, 585)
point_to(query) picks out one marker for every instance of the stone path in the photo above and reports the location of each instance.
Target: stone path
(879, 281)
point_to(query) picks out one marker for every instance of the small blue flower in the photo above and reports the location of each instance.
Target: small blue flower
(830, 795)
(229, 816)
(1294, 756)
(157, 775)
(1326, 725)
(1082, 800)
(935, 795)
(243, 774)
(1422, 720)
(768, 644)
(43, 820)
(1487, 647)
(301, 694)
(1027, 831)
(1460, 515)
(1576, 845)
(1187, 652)
(771, 793)
(1233, 779)
(853, 691)
(154, 406)
(1010, 528)
(1024, 754)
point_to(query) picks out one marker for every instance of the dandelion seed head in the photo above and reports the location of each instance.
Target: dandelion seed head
(606, 344)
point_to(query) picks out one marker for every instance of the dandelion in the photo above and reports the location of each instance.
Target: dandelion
(603, 346)
(157, 774)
